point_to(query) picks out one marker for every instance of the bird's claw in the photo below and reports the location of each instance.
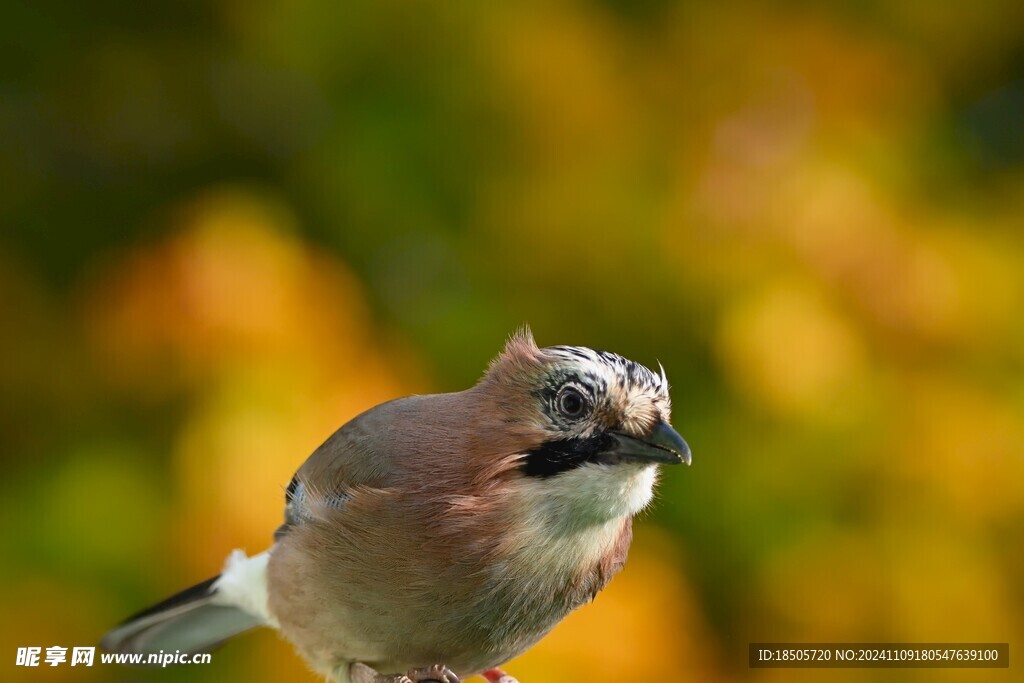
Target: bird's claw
(437, 673)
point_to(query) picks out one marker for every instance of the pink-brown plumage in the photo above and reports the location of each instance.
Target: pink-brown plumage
(460, 528)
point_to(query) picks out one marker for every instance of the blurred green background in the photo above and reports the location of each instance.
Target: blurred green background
(228, 227)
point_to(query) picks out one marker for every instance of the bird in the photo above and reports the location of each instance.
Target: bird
(439, 536)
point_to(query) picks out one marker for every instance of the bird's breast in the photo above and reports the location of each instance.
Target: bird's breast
(547, 577)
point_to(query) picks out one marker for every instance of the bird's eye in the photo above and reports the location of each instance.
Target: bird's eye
(571, 402)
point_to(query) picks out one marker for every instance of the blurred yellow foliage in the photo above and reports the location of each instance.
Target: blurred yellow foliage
(231, 228)
(789, 350)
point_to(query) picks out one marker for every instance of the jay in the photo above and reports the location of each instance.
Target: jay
(445, 533)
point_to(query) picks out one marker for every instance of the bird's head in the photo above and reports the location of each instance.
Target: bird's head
(589, 426)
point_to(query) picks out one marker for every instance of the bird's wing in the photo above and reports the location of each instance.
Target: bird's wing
(359, 455)
(301, 505)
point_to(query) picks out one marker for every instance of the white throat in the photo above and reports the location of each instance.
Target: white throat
(573, 519)
(592, 495)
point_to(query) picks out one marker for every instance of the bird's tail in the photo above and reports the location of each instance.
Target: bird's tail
(200, 618)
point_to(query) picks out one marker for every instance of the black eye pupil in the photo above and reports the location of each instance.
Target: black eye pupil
(571, 403)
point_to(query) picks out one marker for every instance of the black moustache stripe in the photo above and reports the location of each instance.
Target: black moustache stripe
(561, 455)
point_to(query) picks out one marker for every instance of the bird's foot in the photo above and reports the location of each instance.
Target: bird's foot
(433, 674)
(438, 673)
(498, 676)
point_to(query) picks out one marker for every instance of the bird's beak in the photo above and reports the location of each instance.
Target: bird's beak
(661, 445)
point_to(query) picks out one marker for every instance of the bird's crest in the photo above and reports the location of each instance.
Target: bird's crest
(519, 359)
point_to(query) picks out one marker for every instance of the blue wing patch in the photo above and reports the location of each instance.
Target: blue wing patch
(297, 506)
